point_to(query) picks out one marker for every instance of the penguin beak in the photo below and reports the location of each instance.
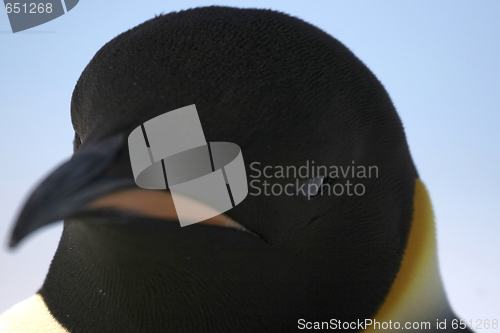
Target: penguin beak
(68, 190)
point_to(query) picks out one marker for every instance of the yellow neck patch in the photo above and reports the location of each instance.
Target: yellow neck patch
(417, 293)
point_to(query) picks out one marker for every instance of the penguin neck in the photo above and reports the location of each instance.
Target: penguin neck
(114, 271)
(417, 293)
(110, 260)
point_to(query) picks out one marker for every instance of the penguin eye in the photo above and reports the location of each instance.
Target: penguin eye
(311, 187)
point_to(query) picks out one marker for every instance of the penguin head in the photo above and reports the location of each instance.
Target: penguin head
(290, 96)
(281, 89)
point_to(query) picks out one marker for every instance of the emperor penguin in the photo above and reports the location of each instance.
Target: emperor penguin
(289, 95)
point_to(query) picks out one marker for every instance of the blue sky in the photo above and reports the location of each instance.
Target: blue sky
(439, 61)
